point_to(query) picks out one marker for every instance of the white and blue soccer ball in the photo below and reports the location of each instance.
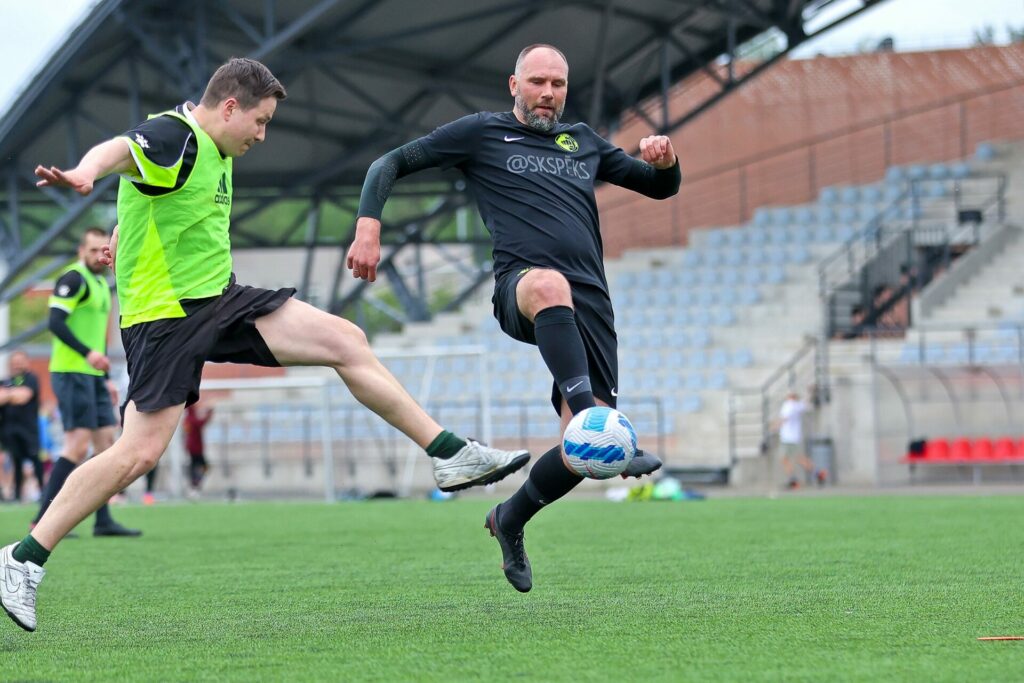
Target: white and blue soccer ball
(599, 443)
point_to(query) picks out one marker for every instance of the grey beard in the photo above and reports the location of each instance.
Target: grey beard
(533, 120)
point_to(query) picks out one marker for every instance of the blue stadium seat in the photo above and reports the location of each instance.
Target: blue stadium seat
(662, 297)
(645, 280)
(698, 360)
(701, 317)
(799, 255)
(756, 257)
(845, 232)
(895, 175)
(829, 195)
(719, 359)
(706, 297)
(725, 317)
(762, 217)
(728, 296)
(917, 172)
(700, 339)
(802, 235)
(753, 276)
(663, 278)
(893, 192)
(735, 237)
(775, 275)
(650, 360)
(694, 382)
(677, 317)
(691, 258)
(847, 214)
(824, 233)
(756, 237)
(782, 215)
(938, 171)
(803, 215)
(742, 358)
(707, 277)
(750, 296)
(778, 236)
(717, 380)
(690, 404)
(826, 214)
(631, 361)
(849, 195)
(716, 238)
(871, 193)
(985, 151)
(960, 170)
(684, 298)
(712, 257)
(731, 276)
(776, 256)
(674, 359)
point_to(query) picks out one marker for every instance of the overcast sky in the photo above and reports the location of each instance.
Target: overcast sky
(34, 28)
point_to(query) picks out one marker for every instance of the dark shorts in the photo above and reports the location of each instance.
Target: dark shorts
(596, 323)
(83, 400)
(166, 357)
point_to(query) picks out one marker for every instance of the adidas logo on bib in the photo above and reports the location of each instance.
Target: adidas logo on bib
(222, 196)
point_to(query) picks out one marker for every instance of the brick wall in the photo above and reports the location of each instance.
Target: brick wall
(807, 124)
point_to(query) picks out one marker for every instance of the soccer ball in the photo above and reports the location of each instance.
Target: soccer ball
(599, 443)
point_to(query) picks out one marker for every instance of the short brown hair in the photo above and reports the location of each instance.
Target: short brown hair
(530, 48)
(99, 232)
(247, 80)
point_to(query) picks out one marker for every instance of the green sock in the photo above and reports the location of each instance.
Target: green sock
(29, 550)
(445, 445)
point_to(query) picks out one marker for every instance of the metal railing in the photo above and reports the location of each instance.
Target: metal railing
(751, 409)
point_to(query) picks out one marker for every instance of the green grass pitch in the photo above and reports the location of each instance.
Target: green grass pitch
(794, 589)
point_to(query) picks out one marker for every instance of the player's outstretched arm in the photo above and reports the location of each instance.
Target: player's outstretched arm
(112, 156)
(657, 151)
(364, 254)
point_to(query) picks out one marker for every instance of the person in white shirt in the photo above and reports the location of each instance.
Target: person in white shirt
(791, 439)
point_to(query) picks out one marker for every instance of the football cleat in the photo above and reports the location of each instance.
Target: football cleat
(476, 464)
(642, 463)
(514, 561)
(18, 584)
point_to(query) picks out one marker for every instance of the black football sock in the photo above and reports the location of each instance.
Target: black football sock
(29, 550)
(562, 348)
(445, 445)
(58, 475)
(103, 517)
(549, 480)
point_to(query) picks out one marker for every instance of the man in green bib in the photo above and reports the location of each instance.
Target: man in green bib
(79, 317)
(181, 307)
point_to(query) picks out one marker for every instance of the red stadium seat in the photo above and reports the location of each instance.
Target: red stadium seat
(1004, 449)
(981, 449)
(936, 449)
(960, 449)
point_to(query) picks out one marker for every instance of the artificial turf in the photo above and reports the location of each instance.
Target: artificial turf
(834, 588)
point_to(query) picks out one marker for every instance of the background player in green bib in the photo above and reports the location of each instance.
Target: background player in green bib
(79, 318)
(181, 307)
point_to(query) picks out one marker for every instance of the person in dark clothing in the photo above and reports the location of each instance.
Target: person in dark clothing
(19, 396)
(196, 417)
(533, 181)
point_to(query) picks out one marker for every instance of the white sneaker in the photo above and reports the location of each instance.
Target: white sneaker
(476, 464)
(18, 584)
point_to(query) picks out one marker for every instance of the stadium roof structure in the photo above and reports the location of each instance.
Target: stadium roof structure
(363, 76)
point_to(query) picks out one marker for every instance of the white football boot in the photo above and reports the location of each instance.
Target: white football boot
(476, 464)
(18, 584)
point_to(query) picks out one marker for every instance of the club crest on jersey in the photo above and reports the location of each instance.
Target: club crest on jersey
(567, 142)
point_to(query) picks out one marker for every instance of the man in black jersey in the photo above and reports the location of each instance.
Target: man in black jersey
(533, 180)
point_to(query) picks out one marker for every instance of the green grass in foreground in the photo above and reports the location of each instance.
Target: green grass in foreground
(736, 589)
